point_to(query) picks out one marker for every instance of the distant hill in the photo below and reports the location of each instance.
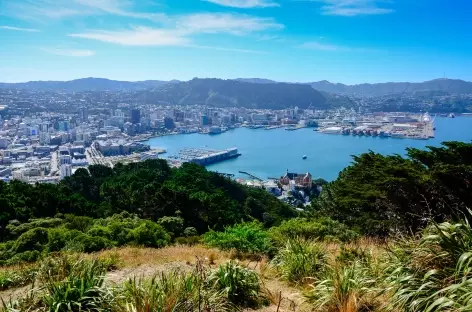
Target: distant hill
(87, 84)
(432, 87)
(379, 89)
(224, 93)
(255, 80)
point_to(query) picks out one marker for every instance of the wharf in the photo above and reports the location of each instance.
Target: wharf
(251, 175)
(205, 157)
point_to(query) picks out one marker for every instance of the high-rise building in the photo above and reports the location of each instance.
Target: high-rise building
(169, 123)
(83, 114)
(178, 115)
(135, 116)
(66, 171)
(204, 120)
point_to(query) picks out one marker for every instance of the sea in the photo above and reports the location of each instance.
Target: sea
(270, 153)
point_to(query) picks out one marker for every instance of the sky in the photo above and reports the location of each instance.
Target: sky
(346, 41)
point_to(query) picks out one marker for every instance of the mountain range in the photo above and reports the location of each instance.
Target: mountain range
(365, 89)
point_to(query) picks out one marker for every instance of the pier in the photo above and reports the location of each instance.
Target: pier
(205, 157)
(251, 175)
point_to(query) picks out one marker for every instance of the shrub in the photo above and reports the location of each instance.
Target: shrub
(191, 240)
(245, 237)
(15, 229)
(80, 290)
(80, 223)
(344, 289)
(241, 285)
(173, 225)
(27, 256)
(300, 259)
(99, 230)
(16, 278)
(171, 291)
(190, 231)
(320, 228)
(351, 254)
(34, 239)
(435, 272)
(94, 243)
(149, 234)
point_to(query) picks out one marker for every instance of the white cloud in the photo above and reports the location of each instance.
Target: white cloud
(19, 29)
(320, 46)
(137, 36)
(267, 37)
(226, 23)
(315, 45)
(245, 4)
(354, 7)
(69, 52)
(227, 49)
(38, 9)
(120, 8)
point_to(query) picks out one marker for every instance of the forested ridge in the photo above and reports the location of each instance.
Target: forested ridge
(106, 204)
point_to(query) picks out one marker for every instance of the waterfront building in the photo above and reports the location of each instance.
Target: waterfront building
(302, 180)
(204, 120)
(169, 123)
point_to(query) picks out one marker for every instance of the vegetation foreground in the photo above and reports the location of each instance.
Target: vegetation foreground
(390, 234)
(431, 272)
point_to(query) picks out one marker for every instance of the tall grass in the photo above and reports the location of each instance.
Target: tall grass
(345, 288)
(434, 273)
(240, 285)
(300, 259)
(80, 290)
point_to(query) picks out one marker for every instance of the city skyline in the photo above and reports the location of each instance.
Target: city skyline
(346, 41)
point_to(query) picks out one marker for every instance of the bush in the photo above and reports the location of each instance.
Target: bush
(344, 288)
(80, 223)
(35, 239)
(99, 230)
(435, 272)
(16, 278)
(27, 256)
(80, 290)
(149, 234)
(173, 225)
(15, 229)
(320, 228)
(171, 291)
(191, 240)
(245, 237)
(300, 259)
(241, 285)
(190, 231)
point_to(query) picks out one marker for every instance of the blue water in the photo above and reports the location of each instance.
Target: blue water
(269, 153)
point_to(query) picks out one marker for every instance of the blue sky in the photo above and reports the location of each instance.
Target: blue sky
(348, 41)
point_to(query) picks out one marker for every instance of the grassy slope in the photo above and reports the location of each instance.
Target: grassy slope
(137, 262)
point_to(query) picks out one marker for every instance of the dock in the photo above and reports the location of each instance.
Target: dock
(204, 157)
(251, 175)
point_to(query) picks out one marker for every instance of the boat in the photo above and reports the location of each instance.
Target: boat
(451, 115)
(305, 157)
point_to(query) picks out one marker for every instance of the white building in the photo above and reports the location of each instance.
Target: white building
(66, 171)
(65, 160)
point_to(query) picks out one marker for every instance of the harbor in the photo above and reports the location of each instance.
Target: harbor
(204, 156)
(401, 126)
(267, 153)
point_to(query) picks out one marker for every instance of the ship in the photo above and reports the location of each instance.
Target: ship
(451, 115)
(305, 157)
